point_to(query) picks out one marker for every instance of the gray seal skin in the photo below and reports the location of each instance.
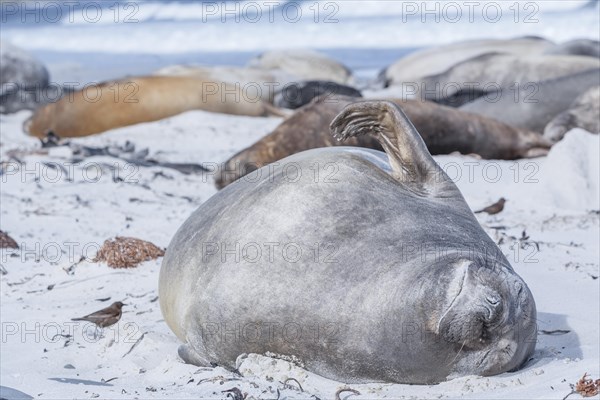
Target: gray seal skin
(23, 80)
(436, 60)
(369, 310)
(254, 81)
(578, 47)
(469, 79)
(584, 113)
(304, 65)
(7, 393)
(15, 99)
(538, 103)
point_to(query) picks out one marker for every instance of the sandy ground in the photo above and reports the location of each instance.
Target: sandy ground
(59, 212)
(57, 217)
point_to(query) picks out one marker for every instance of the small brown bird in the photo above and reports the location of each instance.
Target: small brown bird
(6, 242)
(106, 317)
(494, 208)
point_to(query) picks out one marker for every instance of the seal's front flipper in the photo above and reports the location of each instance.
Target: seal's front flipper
(408, 155)
(190, 356)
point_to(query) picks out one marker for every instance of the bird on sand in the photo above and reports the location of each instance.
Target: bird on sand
(494, 208)
(106, 317)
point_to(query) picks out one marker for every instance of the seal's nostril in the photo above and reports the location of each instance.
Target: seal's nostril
(518, 287)
(493, 300)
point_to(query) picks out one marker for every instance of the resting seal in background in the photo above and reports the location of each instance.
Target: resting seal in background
(537, 103)
(251, 79)
(444, 130)
(456, 86)
(304, 64)
(23, 80)
(584, 113)
(383, 312)
(577, 47)
(436, 60)
(298, 94)
(134, 100)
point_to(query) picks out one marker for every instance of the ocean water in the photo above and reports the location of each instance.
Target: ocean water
(97, 40)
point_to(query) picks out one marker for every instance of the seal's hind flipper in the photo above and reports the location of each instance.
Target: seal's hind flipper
(190, 356)
(272, 111)
(410, 160)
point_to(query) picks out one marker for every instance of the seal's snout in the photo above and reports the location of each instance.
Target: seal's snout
(513, 335)
(475, 309)
(493, 299)
(491, 320)
(493, 304)
(491, 315)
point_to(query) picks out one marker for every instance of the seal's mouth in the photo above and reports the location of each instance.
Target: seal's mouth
(493, 360)
(474, 327)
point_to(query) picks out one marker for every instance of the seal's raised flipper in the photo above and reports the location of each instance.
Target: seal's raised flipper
(410, 160)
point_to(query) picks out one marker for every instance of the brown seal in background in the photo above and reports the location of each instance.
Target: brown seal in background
(444, 130)
(134, 100)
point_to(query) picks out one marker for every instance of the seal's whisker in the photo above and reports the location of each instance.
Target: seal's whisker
(458, 354)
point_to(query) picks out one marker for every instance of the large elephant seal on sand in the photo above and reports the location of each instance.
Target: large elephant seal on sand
(110, 105)
(410, 288)
(584, 113)
(472, 78)
(444, 130)
(534, 105)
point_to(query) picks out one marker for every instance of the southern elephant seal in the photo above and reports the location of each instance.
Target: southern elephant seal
(436, 60)
(253, 80)
(583, 113)
(382, 310)
(303, 64)
(110, 105)
(444, 130)
(467, 80)
(23, 80)
(298, 94)
(532, 107)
